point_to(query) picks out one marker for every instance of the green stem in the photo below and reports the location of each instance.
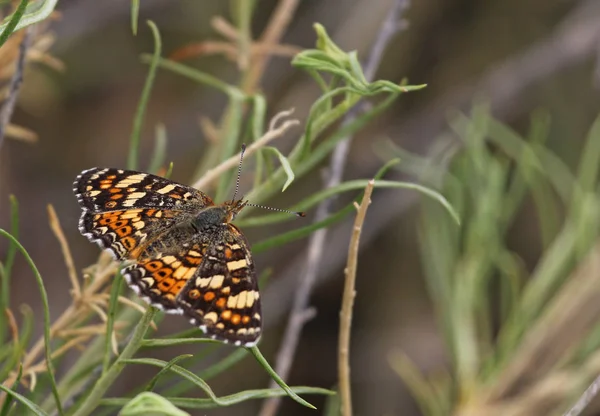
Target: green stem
(46, 309)
(138, 121)
(93, 400)
(14, 21)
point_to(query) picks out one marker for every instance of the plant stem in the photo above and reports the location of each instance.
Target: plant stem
(348, 303)
(91, 402)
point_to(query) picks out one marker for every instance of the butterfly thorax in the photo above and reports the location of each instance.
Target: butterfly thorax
(216, 215)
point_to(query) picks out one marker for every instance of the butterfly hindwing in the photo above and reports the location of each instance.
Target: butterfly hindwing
(223, 297)
(159, 278)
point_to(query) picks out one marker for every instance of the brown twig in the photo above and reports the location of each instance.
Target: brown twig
(273, 133)
(316, 244)
(348, 303)
(64, 245)
(14, 86)
(272, 34)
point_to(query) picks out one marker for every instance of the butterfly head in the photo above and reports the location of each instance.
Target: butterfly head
(233, 207)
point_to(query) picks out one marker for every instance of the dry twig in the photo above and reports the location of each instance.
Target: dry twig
(273, 133)
(14, 86)
(348, 303)
(64, 245)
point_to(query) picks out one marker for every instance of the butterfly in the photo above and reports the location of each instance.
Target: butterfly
(181, 252)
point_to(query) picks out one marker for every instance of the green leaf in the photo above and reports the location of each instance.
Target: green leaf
(6, 268)
(265, 364)
(195, 75)
(160, 149)
(285, 164)
(34, 13)
(138, 121)
(135, 14)
(9, 28)
(150, 404)
(115, 291)
(46, 320)
(314, 199)
(193, 378)
(193, 403)
(328, 57)
(166, 368)
(167, 342)
(99, 389)
(9, 399)
(19, 345)
(26, 402)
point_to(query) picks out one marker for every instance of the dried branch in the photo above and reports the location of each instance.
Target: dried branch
(14, 86)
(64, 245)
(273, 133)
(272, 34)
(316, 244)
(348, 303)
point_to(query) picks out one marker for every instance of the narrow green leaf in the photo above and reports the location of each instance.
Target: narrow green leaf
(193, 378)
(331, 219)
(332, 405)
(193, 403)
(285, 164)
(163, 370)
(179, 386)
(19, 345)
(316, 198)
(167, 342)
(115, 291)
(135, 14)
(46, 320)
(11, 252)
(34, 14)
(26, 402)
(257, 118)
(9, 399)
(150, 404)
(265, 364)
(13, 22)
(138, 121)
(169, 170)
(160, 149)
(6, 268)
(195, 75)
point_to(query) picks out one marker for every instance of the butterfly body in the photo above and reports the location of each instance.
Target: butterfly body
(181, 252)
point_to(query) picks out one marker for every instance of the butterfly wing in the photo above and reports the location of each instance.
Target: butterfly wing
(160, 277)
(124, 211)
(222, 298)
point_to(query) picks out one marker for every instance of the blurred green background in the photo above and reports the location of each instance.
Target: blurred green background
(516, 55)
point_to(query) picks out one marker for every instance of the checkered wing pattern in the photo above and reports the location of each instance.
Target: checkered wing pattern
(223, 297)
(182, 254)
(125, 211)
(160, 277)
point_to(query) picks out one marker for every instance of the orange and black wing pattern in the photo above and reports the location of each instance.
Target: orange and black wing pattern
(223, 297)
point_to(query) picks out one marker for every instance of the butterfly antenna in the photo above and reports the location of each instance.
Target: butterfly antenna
(297, 213)
(237, 181)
